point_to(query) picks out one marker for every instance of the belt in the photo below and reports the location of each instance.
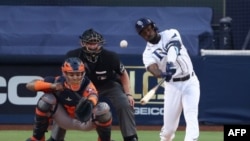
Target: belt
(183, 78)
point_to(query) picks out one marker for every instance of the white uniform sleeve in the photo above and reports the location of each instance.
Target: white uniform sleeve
(172, 54)
(147, 58)
(173, 45)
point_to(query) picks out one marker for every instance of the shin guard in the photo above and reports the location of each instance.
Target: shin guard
(40, 126)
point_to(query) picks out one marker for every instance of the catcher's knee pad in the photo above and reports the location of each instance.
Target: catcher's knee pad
(46, 102)
(102, 114)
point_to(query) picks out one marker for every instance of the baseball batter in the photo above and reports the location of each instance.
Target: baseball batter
(166, 57)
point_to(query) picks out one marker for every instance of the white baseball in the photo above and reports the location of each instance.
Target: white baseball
(123, 43)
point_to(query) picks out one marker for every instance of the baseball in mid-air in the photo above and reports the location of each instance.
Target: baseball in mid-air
(123, 43)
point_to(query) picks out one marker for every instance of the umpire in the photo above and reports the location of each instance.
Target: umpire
(110, 77)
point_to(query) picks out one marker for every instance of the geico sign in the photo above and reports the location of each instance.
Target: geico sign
(148, 111)
(12, 93)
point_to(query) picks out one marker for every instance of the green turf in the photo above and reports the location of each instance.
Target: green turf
(15, 135)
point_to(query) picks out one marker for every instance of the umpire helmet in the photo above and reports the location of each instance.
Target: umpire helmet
(89, 39)
(91, 36)
(142, 23)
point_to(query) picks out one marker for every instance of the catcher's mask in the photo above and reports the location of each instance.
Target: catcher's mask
(144, 22)
(74, 71)
(92, 43)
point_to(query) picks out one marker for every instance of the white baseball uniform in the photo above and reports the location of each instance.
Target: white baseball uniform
(182, 92)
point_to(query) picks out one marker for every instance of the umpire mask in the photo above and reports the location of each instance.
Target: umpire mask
(92, 43)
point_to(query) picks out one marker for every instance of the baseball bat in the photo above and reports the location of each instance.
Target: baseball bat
(151, 93)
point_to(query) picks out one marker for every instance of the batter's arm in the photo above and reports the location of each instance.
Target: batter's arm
(154, 70)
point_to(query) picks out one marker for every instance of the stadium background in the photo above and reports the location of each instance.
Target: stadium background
(224, 79)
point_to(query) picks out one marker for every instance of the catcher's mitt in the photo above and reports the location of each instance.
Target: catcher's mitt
(84, 110)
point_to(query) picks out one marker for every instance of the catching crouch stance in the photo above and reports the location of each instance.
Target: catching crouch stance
(71, 101)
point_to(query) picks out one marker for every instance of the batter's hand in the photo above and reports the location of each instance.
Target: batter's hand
(171, 68)
(57, 87)
(170, 71)
(131, 100)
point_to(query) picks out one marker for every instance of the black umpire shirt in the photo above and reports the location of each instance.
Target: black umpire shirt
(107, 69)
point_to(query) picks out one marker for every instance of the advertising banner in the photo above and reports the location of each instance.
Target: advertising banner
(224, 88)
(18, 104)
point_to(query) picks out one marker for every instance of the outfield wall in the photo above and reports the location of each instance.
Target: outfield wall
(217, 6)
(53, 30)
(224, 88)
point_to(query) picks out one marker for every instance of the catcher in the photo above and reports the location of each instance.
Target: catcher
(71, 102)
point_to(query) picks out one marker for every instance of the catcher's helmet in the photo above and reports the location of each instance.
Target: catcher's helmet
(142, 23)
(73, 64)
(74, 71)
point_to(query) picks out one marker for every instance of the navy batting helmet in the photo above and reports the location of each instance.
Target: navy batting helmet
(142, 23)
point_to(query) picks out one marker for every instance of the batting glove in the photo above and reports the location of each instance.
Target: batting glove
(170, 71)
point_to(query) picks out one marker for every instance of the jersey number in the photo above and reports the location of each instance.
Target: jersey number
(159, 53)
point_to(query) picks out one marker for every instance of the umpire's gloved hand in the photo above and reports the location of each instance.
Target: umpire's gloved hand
(170, 71)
